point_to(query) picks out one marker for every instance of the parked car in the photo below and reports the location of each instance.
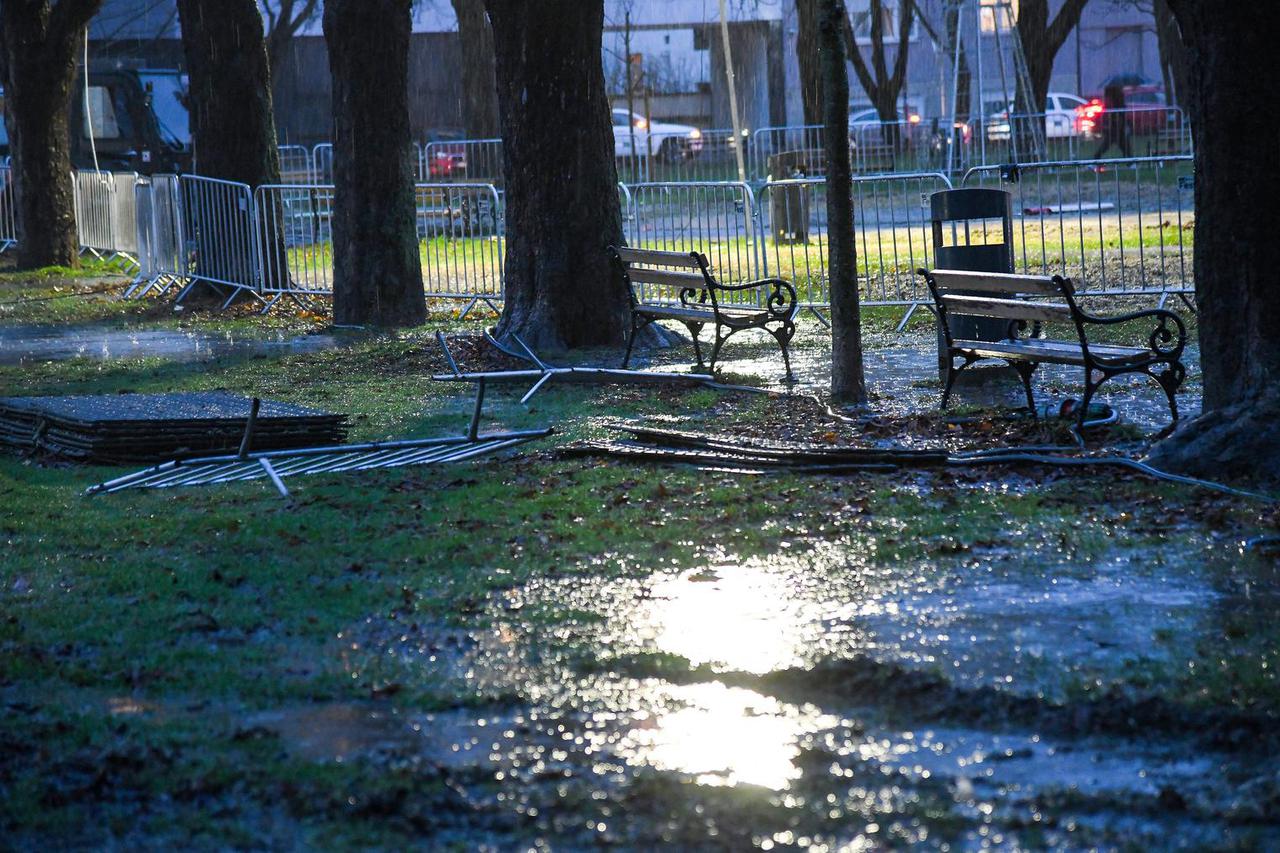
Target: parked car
(1145, 106)
(668, 142)
(1062, 117)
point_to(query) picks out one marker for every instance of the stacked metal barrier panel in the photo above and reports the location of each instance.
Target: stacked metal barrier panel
(94, 202)
(460, 227)
(1113, 226)
(716, 219)
(892, 233)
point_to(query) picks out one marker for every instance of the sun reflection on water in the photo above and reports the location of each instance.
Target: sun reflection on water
(723, 736)
(740, 617)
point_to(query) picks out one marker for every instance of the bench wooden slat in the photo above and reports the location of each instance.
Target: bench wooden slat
(672, 278)
(994, 282)
(1008, 309)
(1048, 352)
(678, 312)
(656, 257)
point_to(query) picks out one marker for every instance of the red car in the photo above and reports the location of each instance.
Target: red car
(1145, 109)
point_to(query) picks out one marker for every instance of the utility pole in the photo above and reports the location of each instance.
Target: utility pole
(631, 90)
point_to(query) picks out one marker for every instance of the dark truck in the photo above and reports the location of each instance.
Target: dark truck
(138, 119)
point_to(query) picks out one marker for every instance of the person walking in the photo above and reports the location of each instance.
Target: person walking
(1115, 122)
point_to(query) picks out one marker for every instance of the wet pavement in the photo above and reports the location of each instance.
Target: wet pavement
(27, 344)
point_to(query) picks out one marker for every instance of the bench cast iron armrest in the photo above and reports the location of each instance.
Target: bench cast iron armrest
(1165, 343)
(782, 301)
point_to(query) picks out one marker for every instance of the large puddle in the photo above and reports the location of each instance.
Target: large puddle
(776, 695)
(23, 344)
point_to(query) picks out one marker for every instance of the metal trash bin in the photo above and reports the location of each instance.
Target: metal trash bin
(789, 205)
(968, 217)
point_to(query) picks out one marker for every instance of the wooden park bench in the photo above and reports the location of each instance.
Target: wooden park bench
(679, 286)
(1053, 300)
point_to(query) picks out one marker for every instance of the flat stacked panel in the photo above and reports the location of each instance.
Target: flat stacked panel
(158, 427)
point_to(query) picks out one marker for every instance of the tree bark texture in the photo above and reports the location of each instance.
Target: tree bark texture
(847, 382)
(42, 41)
(1237, 254)
(807, 55)
(377, 267)
(479, 85)
(1041, 39)
(232, 129)
(562, 184)
(1173, 53)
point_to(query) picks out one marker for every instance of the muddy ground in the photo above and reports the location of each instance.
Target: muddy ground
(565, 653)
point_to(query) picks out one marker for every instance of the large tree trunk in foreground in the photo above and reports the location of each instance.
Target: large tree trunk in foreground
(42, 41)
(377, 268)
(1041, 40)
(232, 129)
(562, 185)
(847, 382)
(1237, 254)
(479, 86)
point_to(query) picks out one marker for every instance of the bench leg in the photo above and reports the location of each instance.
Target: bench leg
(783, 336)
(715, 348)
(694, 329)
(1024, 369)
(1170, 379)
(952, 372)
(1090, 388)
(636, 328)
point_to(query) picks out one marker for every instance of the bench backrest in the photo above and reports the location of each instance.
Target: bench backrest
(1001, 295)
(683, 272)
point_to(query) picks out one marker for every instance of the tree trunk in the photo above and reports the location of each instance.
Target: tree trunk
(232, 130)
(1041, 39)
(233, 134)
(810, 72)
(562, 184)
(377, 268)
(1173, 53)
(42, 42)
(479, 86)
(847, 382)
(1237, 254)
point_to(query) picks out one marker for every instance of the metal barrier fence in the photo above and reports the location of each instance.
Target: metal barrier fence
(459, 230)
(718, 219)
(8, 212)
(891, 227)
(158, 226)
(1150, 131)
(104, 211)
(473, 161)
(295, 164)
(221, 230)
(295, 221)
(1117, 226)
(460, 227)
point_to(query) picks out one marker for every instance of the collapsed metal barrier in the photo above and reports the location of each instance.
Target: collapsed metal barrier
(275, 465)
(542, 373)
